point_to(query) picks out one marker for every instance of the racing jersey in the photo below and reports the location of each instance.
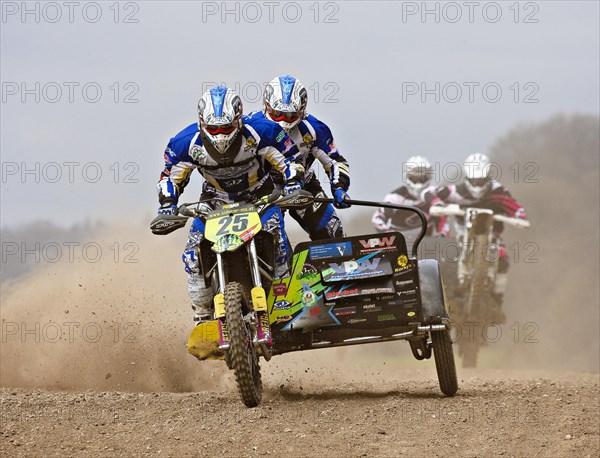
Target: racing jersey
(387, 219)
(315, 142)
(261, 148)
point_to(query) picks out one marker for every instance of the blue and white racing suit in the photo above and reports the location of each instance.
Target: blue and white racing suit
(315, 142)
(261, 149)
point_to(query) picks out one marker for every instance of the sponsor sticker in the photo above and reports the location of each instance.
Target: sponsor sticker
(385, 290)
(378, 244)
(308, 273)
(404, 282)
(371, 308)
(315, 311)
(250, 142)
(386, 317)
(284, 318)
(330, 250)
(280, 136)
(402, 261)
(282, 305)
(411, 314)
(344, 311)
(354, 270)
(356, 320)
(197, 153)
(307, 139)
(337, 294)
(308, 296)
(280, 289)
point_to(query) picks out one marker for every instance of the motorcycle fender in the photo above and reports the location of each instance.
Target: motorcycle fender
(259, 299)
(219, 302)
(432, 292)
(203, 342)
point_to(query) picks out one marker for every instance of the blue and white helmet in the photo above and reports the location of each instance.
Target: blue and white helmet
(220, 116)
(477, 172)
(285, 100)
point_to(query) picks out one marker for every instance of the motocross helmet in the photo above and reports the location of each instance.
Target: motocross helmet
(477, 174)
(285, 99)
(418, 173)
(220, 117)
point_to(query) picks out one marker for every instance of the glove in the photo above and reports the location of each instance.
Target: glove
(168, 209)
(339, 196)
(290, 187)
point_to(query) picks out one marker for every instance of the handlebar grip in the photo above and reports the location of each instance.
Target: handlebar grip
(185, 211)
(515, 222)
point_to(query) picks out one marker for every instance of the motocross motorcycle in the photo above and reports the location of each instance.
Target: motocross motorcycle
(477, 269)
(338, 292)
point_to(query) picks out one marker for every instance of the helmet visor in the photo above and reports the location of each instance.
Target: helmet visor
(278, 116)
(418, 177)
(479, 182)
(224, 129)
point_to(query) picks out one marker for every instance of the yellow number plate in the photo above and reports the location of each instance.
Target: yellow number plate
(243, 221)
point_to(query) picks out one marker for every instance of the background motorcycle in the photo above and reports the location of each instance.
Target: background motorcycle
(476, 272)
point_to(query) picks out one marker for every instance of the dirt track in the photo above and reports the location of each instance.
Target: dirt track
(117, 381)
(538, 416)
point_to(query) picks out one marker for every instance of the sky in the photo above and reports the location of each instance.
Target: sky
(93, 91)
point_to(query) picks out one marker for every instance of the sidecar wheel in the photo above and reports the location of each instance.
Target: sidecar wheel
(444, 362)
(242, 353)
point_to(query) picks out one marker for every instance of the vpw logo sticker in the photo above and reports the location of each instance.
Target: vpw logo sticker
(355, 267)
(378, 243)
(354, 270)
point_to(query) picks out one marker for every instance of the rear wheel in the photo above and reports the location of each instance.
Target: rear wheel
(242, 353)
(444, 362)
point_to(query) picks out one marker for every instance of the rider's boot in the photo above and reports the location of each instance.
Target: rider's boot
(202, 299)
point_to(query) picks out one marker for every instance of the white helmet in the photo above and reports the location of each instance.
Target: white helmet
(418, 173)
(220, 117)
(477, 172)
(285, 100)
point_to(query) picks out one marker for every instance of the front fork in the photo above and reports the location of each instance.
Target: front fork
(259, 319)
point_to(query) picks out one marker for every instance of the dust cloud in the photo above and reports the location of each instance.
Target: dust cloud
(119, 323)
(116, 325)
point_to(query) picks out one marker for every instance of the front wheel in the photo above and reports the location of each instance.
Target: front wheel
(444, 362)
(242, 353)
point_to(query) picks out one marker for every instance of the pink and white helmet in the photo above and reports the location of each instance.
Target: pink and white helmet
(285, 100)
(220, 117)
(477, 173)
(418, 173)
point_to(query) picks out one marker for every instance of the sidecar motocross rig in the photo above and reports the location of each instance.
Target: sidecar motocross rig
(339, 292)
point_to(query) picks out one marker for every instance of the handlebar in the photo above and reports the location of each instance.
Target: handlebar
(298, 199)
(455, 210)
